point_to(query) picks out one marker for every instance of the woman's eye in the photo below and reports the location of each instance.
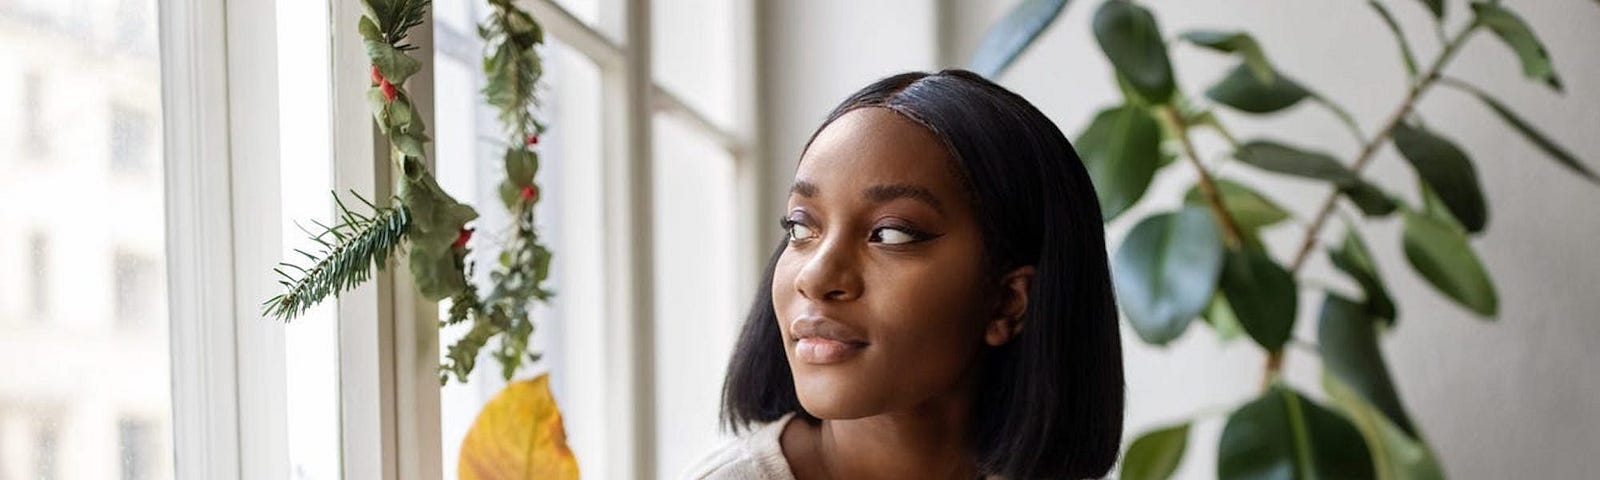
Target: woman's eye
(895, 236)
(798, 231)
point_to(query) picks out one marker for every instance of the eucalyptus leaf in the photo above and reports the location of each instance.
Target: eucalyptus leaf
(1395, 455)
(521, 166)
(1012, 35)
(1238, 43)
(393, 63)
(1354, 259)
(1249, 209)
(1263, 296)
(1131, 39)
(1121, 149)
(1155, 455)
(1244, 90)
(1440, 253)
(1446, 168)
(1550, 147)
(1347, 338)
(1166, 270)
(1283, 435)
(1510, 28)
(437, 220)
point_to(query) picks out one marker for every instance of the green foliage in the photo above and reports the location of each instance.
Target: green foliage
(1166, 270)
(350, 248)
(1006, 39)
(1121, 148)
(428, 221)
(1207, 259)
(1285, 435)
(1155, 455)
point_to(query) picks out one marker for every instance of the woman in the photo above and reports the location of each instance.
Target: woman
(940, 306)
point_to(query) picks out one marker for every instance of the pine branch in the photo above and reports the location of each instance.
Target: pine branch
(350, 248)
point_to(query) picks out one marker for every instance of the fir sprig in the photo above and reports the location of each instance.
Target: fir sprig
(350, 248)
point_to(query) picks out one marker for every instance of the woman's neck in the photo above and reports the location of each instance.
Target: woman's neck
(926, 441)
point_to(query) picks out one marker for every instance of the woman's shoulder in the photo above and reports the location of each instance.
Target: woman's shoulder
(755, 454)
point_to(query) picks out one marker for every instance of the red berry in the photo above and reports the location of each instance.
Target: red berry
(533, 139)
(462, 238)
(530, 192)
(377, 77)
(388, 90)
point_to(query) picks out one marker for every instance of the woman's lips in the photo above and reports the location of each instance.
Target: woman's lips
(824, 351)
(820, 340)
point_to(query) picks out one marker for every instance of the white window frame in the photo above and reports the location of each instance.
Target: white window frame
(221, 161)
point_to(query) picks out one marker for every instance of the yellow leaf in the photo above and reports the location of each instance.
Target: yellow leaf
(518, 435)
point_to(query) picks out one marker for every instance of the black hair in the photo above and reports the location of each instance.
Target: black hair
(1049, 403)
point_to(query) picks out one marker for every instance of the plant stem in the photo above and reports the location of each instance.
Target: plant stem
(1208, 186)
(1369, 150)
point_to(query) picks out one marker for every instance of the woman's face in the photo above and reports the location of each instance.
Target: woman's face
(879, 293)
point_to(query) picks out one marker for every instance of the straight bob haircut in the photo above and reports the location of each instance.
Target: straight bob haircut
(1049, 403)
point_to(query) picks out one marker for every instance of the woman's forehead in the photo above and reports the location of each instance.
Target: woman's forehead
(869, 147)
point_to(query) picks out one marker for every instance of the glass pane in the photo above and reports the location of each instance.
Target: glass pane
(84, 382)
(567, 331)
(692, 47)
(311, 342)
(696, 314)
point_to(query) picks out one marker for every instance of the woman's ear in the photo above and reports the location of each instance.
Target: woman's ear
(1006, 321)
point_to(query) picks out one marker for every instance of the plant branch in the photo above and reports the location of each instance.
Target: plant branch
(1370, 149)
(1208, 186)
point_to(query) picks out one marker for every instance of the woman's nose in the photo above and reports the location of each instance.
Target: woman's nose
(831, 273)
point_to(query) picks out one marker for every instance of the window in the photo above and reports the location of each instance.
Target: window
(82, 254)
(130, 141)
(694, 164)
(137, 292)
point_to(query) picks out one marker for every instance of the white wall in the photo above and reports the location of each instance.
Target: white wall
(1497, 399)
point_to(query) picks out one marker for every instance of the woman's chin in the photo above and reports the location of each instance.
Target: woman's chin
(827, 397)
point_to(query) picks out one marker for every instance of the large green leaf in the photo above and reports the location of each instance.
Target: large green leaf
(1121, 148)
(1447, 170)
(1436, 7)
(1013, 34)
(1166, 270)
(1130, 38)
(1238, 43)
(393, 63)
(1550, 147)
(1155, 455)
(1354, 259)
(1262, 294)
(1395, 455)
(1244, 89)
(1347, 337)
(1250, 210)
(1283, 435)
(1279, 158)
(1440, 253)
(1509, 27)
(1399, 36)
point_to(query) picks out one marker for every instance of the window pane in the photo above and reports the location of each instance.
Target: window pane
(567, 331)
(311, 341)
(84, 382)
(696, 314)
(692, 48)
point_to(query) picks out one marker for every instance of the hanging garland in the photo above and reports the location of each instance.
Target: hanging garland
(422, 222)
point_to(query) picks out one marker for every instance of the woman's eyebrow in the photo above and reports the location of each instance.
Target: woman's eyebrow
(891, 191)
(878, 193)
